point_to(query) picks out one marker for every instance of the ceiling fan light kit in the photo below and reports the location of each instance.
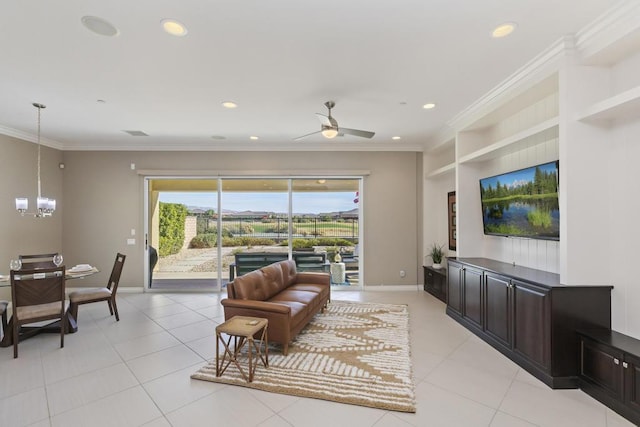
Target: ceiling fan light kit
(329, 127)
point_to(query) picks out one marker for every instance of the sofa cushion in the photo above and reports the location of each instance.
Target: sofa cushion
(289, 272)
(305, 297)
(251, 286)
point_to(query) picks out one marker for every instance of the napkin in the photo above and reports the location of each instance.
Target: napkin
(80, 268)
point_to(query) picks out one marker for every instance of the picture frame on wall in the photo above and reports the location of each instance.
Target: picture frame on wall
(452, 208)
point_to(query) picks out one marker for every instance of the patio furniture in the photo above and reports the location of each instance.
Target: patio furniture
(288, 299)
(108, 294)
(249, 261)
(37, 295)
(242, 330)
(246, 262)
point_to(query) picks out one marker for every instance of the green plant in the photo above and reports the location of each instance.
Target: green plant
(436, 253)
(201, 241)
(171, 228)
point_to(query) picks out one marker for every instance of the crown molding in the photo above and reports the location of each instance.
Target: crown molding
(253, 146)
(26, 136)
(595, 42)
(539, 68)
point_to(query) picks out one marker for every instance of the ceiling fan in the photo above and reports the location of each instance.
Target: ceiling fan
(330, 129)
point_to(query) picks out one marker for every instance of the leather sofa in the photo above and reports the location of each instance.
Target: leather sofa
(277, 292)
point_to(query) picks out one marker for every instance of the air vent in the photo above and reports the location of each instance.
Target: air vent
(136, 133)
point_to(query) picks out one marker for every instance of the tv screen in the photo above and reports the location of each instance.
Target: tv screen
(522, 203)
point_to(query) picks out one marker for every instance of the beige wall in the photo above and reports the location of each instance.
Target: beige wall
(104, 201)
(18, 172)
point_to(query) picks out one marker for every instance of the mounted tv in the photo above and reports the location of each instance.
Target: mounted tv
(522, 203)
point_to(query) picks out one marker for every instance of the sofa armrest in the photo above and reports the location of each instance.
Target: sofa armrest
(256, 305)
(313, 278)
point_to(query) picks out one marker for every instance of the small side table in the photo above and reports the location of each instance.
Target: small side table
(338, 272)
(242, 329)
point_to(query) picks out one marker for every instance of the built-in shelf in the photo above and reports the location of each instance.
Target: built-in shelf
(617, 106)
(517, 141)
(450, 168)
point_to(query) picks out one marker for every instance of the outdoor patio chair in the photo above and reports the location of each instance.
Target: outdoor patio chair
(107, 294)
(37, 295)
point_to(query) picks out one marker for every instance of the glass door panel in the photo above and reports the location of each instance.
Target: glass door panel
(254, 220)
(182, 234)
(326, 219)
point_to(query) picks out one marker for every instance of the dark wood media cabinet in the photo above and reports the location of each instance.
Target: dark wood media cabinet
(526, 314)
(610, 370)
(435, 282)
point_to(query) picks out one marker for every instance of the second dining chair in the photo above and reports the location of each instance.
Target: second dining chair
(108, 294)
(37, 295)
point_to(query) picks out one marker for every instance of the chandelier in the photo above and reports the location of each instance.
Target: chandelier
(45, 206)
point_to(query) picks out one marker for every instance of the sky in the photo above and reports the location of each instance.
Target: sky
(520, 176)
(270, 202)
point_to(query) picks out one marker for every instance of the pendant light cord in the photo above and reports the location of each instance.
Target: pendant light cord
(39, 109)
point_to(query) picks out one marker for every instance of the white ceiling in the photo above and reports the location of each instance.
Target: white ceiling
(280, 60)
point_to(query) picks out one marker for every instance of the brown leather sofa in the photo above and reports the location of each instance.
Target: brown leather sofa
(279, 293)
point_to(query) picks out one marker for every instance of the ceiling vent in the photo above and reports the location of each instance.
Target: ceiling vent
(136, 133)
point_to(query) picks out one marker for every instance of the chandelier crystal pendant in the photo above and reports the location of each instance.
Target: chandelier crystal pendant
(45, 206)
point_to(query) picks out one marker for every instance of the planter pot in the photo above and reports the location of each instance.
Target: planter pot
(436, 266)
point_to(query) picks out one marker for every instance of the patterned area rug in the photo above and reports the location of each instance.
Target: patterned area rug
(355, 353)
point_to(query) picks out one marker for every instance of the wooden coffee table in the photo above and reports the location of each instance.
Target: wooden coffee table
(242, 330)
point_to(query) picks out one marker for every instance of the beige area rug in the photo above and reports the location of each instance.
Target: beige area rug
(356, 353)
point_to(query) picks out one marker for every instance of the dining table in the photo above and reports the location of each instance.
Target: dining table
(72, 325)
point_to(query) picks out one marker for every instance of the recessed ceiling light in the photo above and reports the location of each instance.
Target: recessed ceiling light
(429, 106)
(173, 27)
(395, 138)
(99, 26)
(503, 30)
(229, 104)
(219, 137)
(321, 181)
(253, 137)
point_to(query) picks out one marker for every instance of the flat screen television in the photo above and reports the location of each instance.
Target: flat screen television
(522, 203)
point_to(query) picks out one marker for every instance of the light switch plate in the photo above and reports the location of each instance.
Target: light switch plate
(131, 241)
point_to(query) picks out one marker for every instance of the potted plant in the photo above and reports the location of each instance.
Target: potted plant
(437, 254)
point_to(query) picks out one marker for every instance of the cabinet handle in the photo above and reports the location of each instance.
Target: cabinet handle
(625, 365)
(616, 361)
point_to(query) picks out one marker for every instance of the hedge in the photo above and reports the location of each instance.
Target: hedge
(171, 227)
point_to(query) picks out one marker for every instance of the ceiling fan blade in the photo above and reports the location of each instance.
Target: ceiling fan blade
(304, 136)
(356, 132)
(326, 121)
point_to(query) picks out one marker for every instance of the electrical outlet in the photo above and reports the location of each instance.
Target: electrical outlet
(131, 242)
(403, 273)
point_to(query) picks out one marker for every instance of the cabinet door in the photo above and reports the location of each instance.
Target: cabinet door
(454, 284)
(472, 291)
(531, 330)
(632, 382)
(602, 366)
(497, 308)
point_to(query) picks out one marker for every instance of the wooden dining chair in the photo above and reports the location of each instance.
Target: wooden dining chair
(37, 295)
(107, 294)
(3, 316)
(37, 261)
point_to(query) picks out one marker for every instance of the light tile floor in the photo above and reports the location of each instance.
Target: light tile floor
(136, 373)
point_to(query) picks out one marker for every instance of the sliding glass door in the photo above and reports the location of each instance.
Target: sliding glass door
(198, 228)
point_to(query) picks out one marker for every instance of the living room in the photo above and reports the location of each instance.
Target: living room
(572, 101)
